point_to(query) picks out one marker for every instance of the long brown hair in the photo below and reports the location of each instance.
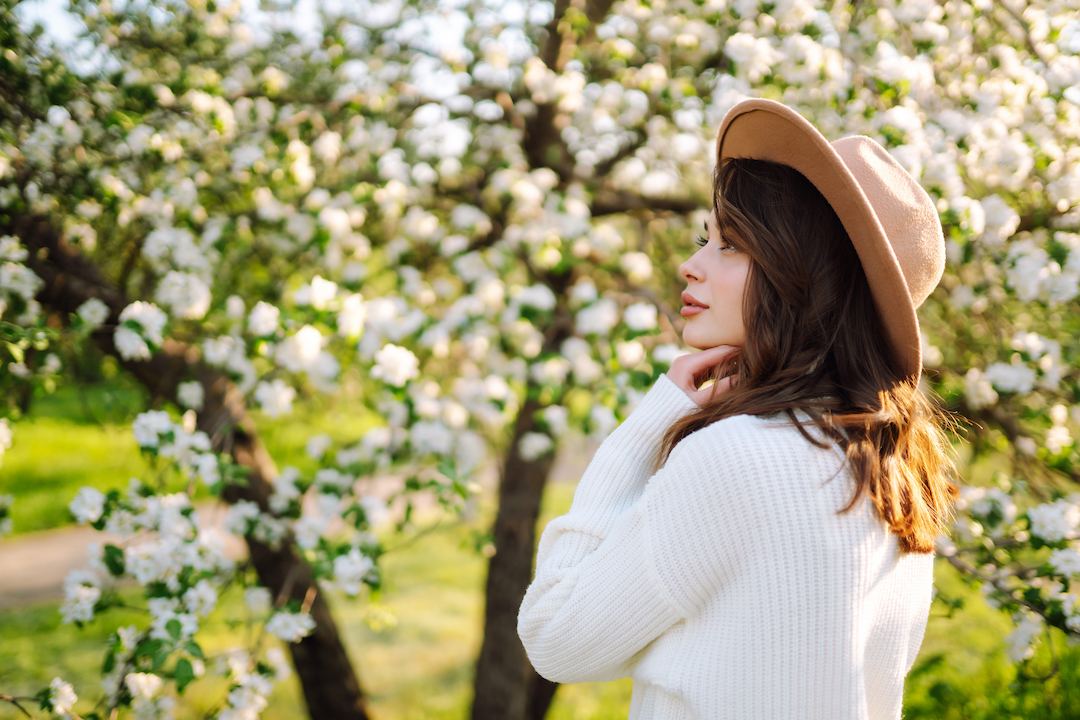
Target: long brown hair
(814, 343)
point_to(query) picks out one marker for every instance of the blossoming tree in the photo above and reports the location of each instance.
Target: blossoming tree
(468, 220)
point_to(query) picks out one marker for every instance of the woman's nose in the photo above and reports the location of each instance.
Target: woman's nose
(688, 271)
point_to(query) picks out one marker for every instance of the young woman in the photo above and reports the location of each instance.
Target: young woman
(779, 563)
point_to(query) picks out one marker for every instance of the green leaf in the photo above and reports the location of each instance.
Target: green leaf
(16, 352)
(184, 674)
(174, 628)
(110, 662)
(114, 560)
(192, 648)
(148, 648)
(44, 697)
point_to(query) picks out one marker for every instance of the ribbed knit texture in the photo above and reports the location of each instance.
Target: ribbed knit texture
(726, 585)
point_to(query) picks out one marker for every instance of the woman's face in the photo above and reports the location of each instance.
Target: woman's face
(715, 279)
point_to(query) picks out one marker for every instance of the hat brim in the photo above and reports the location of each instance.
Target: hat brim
(766, 130)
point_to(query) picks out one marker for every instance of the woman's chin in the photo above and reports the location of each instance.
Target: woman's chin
(690, 341)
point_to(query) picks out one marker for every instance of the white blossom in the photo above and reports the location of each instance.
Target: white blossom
(537, 296)
(88, 505)
(241, 517)
(375, 510)
(640, 317)
(434, 437)
(143, 685)
(201, 599)
(637, 266)
(1020, 642)
(666, 354)
(1011, 378)
(978, 389)
(208, 468)
(185, 293)
(351, 317)
(285, 490)
(598, 318)
(150, 426)
(300, 352)
(350, 570)
(556, 417)
(130, 344)
(81, 594)
(317, 445)
(584, 292)
(275, 657)
(1054, 521)
(93, 312)
(235, 307)
(291, 627)
(534, 445)
(263, 319)
(17, 279)
(395, 365)
(1066, 561)
(275, 398)
(190, 394)
(163, 611)
(629, 354)
(992, 506)
(318, 293)
(62, 697)
(258, 599)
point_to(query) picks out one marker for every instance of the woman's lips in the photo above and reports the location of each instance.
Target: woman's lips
(691, 306)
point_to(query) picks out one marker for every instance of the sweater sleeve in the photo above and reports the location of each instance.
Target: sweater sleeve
(624, 564)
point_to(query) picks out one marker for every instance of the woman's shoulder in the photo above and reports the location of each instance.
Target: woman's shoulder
(775, 426)
(764, 441)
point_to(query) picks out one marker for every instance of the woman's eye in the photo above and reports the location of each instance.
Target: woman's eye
(725, 245)
(700, 241)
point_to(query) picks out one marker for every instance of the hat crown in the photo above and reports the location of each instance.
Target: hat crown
(905, 211)
(891, 221)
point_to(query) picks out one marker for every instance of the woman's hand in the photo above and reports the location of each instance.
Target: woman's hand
(688, 372)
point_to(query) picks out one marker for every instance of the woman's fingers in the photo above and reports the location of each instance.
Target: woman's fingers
(698, 367)
(688, 372)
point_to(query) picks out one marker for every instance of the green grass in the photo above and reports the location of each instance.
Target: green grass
(76, 437)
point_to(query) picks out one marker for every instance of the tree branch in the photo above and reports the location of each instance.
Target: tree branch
(621, 201)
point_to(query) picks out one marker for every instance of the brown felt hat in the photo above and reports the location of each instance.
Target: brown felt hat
(892, 222)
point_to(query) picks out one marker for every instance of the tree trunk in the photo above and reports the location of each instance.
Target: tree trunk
(541, 693)
(504, 676)
(330, 685)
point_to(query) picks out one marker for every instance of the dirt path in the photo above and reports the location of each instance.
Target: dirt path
(33, 566)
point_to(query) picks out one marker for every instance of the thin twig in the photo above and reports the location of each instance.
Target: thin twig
(15, 701)
(309, 598)
(419, 534)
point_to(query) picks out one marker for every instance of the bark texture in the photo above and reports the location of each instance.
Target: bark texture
(330, 685)
(504, 675)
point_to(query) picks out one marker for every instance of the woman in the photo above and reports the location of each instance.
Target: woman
(779, 563)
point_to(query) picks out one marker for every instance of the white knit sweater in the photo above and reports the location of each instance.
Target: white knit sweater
(726, 585)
